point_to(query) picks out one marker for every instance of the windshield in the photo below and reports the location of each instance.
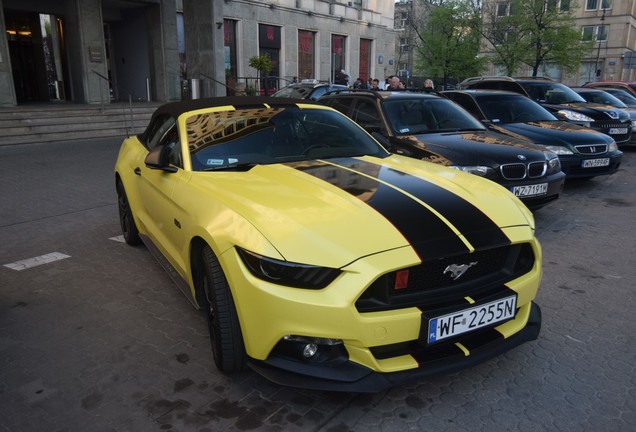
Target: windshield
(622, 95)
(244, 137)
(602, 97)
(552, 93)
(428, 115)
(294, 91)
(512, 109)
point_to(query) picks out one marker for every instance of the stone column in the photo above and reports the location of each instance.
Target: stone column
(203, 23)
(164, 52)
(7, 91)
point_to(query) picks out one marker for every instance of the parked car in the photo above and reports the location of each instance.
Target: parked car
(584, 153)
(432, 128)
(625, 85)
(307, 89)
(600, 96)
(563, 102)
(322, 260)
(623, 95)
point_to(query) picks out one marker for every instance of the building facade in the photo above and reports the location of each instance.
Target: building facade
(611, 24)
(96, 51)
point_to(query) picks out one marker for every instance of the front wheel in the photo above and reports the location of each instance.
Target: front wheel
(223, 324)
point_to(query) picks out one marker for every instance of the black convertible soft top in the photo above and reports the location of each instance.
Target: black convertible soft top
(175, 109)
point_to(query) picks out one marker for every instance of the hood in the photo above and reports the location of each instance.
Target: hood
(598, 112)
(333, 212)
(480, 147)
(559, 133)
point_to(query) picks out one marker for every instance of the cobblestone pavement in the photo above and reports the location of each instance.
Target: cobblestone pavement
(103, 341)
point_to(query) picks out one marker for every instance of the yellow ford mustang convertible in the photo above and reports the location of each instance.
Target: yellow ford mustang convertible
(321, 260)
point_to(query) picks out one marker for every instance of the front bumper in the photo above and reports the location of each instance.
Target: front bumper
(381, 343)
(572, 165)
(353, 377)
(555, 187)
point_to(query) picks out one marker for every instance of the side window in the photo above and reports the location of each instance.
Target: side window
(468, 104)
(341, 104)
(171, 140)
(318, 91)
(157, 135)
(366, 115)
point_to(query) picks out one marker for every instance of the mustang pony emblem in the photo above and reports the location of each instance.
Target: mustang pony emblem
(457, 270)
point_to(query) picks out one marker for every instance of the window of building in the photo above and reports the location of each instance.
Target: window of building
(404, 19)
(502, 9)
(338, 56)
(595, 32)
(229, 46)
(560, 5)
(404, 45)
(306, 54)
(598, 4)
(365, 60)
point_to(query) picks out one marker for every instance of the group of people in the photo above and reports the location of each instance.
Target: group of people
(391, 83)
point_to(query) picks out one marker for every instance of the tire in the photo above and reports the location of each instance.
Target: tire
(223, 324)
(126, 220)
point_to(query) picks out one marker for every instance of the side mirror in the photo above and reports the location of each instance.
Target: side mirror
(158, 158)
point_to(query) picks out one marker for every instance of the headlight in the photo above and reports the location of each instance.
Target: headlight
(480, 170)
(287, 273)
(560, 150)
(613, 146)
(571, 115)
(554, 164)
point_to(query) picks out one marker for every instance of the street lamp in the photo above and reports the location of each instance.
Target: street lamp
(598, 52)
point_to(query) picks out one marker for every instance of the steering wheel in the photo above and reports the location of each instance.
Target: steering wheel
(313, 146)
(519, 116)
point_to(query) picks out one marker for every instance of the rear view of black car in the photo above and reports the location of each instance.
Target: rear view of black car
(584, 153)
(434, 129)
(563, 102)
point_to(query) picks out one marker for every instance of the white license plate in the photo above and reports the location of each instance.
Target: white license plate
(456, 323)
(617, 131)
(530, 190)
(591, 163)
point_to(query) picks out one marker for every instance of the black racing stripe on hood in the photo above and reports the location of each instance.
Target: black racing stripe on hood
(476, 226)
(430, 236)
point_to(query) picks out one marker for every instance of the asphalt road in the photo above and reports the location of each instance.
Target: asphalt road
(95, 337)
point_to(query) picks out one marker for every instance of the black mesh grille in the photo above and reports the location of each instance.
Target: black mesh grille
(537, 169)
(431, 284)
(513, 171)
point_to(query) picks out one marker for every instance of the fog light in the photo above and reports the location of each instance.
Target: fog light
(310, 350)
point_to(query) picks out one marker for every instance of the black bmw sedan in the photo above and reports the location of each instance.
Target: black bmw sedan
(432, 128)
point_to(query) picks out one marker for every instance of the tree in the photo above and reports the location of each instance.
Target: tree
(534, 32)
(262, 64)
(448, 41)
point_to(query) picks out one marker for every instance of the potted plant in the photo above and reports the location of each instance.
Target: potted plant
(262, 64)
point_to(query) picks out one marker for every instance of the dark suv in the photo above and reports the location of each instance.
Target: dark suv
(563, 102)
(432, 128)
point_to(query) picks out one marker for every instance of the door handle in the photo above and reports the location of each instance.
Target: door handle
(137, 171)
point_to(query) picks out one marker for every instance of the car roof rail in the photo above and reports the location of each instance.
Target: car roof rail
(487, 77)
(351, 90)
(535, 78)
